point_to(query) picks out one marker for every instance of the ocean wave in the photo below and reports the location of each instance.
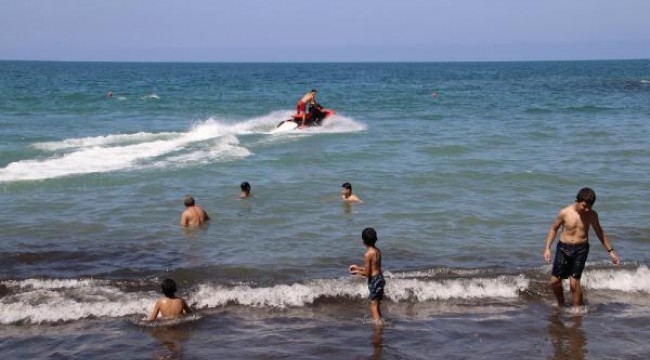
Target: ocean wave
(625, 280)
(37, 301)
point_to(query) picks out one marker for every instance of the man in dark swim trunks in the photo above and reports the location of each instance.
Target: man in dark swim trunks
(372, 270)
(573, 247)
(301, 107)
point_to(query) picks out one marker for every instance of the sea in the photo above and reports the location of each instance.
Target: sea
(462, 168)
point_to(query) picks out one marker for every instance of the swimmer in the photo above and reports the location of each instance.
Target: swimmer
(245, 190)
(169, 305)
(347, 195)
(193, 215)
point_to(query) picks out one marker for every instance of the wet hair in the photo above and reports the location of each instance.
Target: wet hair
(313, 90)
(369, 236)
(188, 200)
(168, 287)
(587, 195)
(245, 186)
(347, 185)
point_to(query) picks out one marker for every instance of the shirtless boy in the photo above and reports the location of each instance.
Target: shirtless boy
(193, 215)
(301, 107)
(169, 305)
(372, 270)
(573, 247)
(346, 193)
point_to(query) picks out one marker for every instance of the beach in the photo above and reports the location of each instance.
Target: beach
(462, 167)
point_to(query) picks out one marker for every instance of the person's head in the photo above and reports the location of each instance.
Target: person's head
(245, 187)
(346, 189)
(168, 287)
(585, 199)
(369, 236)
(313, 91)
(188, 200)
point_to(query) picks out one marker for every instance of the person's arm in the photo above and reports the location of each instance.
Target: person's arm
(185, 219)
(186, 308)
(550, 236)
(604, 240)
(367, 266)
(154, 312)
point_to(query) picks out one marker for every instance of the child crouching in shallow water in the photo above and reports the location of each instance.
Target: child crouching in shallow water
(169, 305)
(372, 270)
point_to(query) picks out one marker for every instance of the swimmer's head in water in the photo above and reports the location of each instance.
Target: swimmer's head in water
(188, 200)
(168, 287)
(245, 186)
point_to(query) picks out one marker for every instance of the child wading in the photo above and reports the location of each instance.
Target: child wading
(372, 270)
(169, 305)
(573, 247)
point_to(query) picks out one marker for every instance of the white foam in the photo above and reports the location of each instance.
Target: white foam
(47, 301)
(106, 153)
(626, 280)
(470, 288)
(151, 97)
(120, 152)
(102, 140)
(298, 295)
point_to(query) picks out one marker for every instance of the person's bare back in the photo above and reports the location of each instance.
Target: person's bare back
(193, 215)
(169, 305)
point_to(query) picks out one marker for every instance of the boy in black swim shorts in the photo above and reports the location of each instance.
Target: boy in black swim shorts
(372, 270)
(573, 247)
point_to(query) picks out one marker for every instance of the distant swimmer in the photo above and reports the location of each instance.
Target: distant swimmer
(573, 247)
(110, 93)
(434, 94)
(301, 107)
(193, 215)
(372, 271)
(245, 190)
(347, 195)
(169, 305)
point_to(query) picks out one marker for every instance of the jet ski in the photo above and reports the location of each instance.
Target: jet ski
(315, 116)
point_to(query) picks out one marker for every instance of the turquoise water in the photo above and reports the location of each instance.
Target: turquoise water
(461, 188)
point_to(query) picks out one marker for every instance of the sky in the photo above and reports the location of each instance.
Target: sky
(324, 31)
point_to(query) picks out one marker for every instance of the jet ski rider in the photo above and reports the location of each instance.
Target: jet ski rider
(301, 107)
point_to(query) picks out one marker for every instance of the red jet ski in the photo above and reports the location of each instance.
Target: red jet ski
(315, 117)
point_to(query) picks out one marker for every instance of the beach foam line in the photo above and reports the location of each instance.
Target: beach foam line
(37, 301)
(625, 280)
(51, 301)
(398, 290)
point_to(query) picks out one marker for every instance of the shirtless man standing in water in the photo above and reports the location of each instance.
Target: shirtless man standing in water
(193, 215)
(573, 247)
